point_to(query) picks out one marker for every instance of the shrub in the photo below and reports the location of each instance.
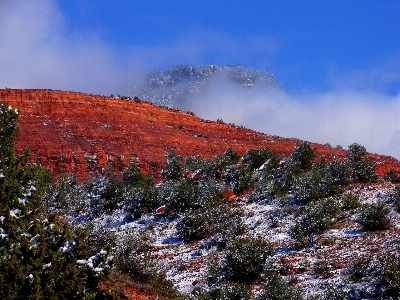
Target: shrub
(390, 277)
(111, 197)
(238, 178)
(396, 199)
(300, 159)
(226, 291)
(180, 195)
(174, 166)
(305, 189)
(382, 276)
(275, 288)
(359, 268)
(40, 258)
(264, 189)
(317, 218)
(392, 176)
(208, 220)
(134, 260)
(254, 158)
(340, 171)
(321, 268)
(350, 201)
(205, 167)
(356, 151)
(363, 168)
(374, 216)
(140, 193)
(229, 157)
(316, 184)
(245, 258)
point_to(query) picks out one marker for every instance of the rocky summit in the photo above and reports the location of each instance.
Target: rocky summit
(173, 86)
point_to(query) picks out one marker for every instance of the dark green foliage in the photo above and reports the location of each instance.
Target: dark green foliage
(69, 197)
(209, 218)
(245, 258)
(180, 195)
(315, 220)
(229, 157)
(218, 288)
(340, 171)
(40, 258)
(359, 268)
(264, 189)
(140, 192)
(392, 176)
(363, 168)
(396, 198)
(111, 197)
(390, 277)
(275, 288)
(212, 168)
(254, 158)
(374, 216)
(382, 275)
(321, 268)
(238, 178)
(174, 167)
(318, 183)
(134, 260)
(205, 167)
(350, 201)
(356, 152)
(226, 291)
(300, 159)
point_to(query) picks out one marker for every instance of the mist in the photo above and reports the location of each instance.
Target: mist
(37, 51)
(338, 117)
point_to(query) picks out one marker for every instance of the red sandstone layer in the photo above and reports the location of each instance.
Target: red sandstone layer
(83, 133)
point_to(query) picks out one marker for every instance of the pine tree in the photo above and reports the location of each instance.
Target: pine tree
(40, 257)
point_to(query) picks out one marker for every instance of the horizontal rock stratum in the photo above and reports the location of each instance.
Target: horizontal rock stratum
(83, 133)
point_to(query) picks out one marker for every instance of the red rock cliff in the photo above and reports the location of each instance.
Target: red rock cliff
(83, 133)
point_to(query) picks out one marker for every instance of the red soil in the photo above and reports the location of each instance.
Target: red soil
(83, 133)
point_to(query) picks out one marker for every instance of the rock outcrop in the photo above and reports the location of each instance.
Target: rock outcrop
(174, 86)
(82, 133)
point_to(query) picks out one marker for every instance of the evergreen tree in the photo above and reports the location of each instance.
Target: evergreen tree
(363, 167)
(40, 258)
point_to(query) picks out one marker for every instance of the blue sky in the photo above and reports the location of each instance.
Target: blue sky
(337, 59)
(306, 44)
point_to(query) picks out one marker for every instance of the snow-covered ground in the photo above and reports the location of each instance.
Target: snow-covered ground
(312, 268)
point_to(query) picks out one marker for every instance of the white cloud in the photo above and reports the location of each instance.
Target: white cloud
(382, 76)
(36, 52)
(338, 117)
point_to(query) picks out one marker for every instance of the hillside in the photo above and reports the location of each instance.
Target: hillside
(277, 223)
(82, 133)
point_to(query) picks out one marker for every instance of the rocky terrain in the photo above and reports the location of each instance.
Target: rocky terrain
(82, 133)
(315, 214)
(174, 86)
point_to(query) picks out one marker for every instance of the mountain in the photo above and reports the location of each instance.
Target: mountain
(174, 86)
(83, 133)
(326, 231)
